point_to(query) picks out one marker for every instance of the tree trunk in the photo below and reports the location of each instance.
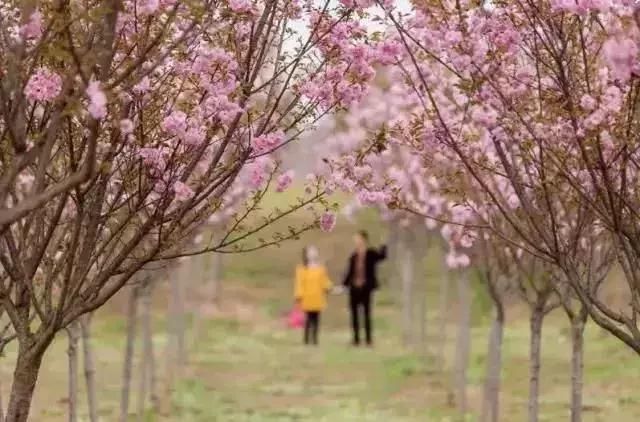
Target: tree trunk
(216, 277)
(132, 316)
(422, 308)
(204, 287)
(1, 402)
(577, 363)
(175, 326)
(442, 318)
(89, 367)
(179, 324)
(463, 343)
(491, 400)
(148, 377)
(72, 351)
(25, 376)
(537, 317)
(406, 271)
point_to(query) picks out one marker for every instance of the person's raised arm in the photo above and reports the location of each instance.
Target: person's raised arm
(381, 253)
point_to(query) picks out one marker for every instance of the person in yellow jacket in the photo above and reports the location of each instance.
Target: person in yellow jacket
(311, 288)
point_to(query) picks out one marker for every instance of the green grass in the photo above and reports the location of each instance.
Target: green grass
(245, 366)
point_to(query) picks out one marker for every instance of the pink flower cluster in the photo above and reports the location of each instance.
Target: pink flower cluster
(242, 6)
(373, 197)
(621, 55)
(284, 181)
(267, 142)
(148, 7)
(350, 65)
(155, 158)
(43, 86)
(581, 7)
(258, 171)
(327, 221)
(176, 124)
(183, 191)
(97, 101)
(221, 107)
(32, 30)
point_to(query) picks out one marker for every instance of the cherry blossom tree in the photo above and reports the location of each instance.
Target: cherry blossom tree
(539, 98)
(127, 124)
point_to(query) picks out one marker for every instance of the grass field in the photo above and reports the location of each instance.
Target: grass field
(245, 366)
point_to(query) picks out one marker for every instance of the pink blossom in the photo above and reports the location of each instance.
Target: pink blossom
(241, 6)
(153, 157)
(267, 142)
(43, 86)
(143, 86)
(388, 52)
(97, 101)
(148, 7)
(175, 124)
(183, 192)
(327, 221)
(284, 181)
(33, 28)
(588, 103)
(485, 117)
(195, 136)
(357, 4)
(466, 240)
(221, 107)
(612, 99)
(258, 172)
(373, 198)
(242, 30)
(621, 55)
(126, 126)
(594, 119)
(455, 260)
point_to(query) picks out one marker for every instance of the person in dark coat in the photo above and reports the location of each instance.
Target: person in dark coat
(361, 280)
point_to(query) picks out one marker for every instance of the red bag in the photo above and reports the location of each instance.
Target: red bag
(295, 318)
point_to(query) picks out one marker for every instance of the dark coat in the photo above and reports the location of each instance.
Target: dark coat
(372, 258)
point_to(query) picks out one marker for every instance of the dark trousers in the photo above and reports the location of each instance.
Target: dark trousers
(360, 299)
(311, 327)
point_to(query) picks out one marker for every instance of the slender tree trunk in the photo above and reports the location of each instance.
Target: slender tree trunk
(577, 363)
(422, 308)
(25, 377)
(1, 401)
(178, 325)
(204, 282)
(147, 378)
(407, 263)
(491, 400)
(463, 343)
(535, 346)
(132, 317)
(72, 351)
(442, 318)
(89, 367)
(216, 277)
(175, 339)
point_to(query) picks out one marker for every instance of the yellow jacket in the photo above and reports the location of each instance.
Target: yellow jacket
(312, 284)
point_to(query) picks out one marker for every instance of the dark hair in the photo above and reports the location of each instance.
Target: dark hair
(364, 235)
(305, 258)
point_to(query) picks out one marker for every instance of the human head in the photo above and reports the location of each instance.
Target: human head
(310, 255)
(361, 239)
